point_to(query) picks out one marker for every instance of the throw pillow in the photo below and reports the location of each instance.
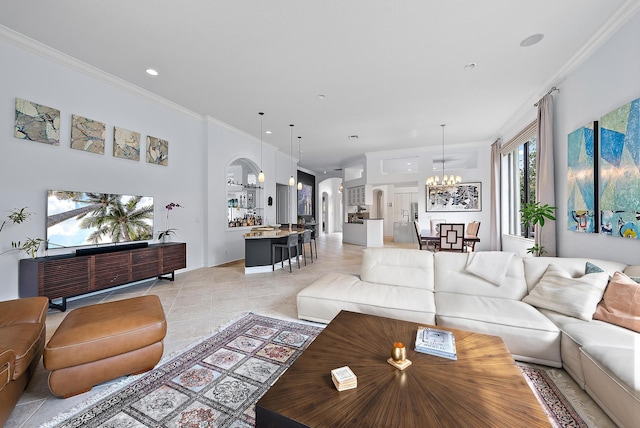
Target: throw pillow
(591, 268)
(489, 265)
(620, 304)
(575, 297)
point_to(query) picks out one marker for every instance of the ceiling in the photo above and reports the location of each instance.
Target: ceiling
(391, 72)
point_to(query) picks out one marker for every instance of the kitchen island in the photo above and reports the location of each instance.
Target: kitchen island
(368, 232)
(257, 248)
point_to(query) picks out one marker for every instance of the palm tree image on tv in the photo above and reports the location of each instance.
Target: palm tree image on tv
(84, 218)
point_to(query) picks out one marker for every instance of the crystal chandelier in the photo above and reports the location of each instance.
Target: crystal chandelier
(447, 180)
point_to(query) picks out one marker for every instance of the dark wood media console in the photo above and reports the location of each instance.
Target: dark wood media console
(69, 275)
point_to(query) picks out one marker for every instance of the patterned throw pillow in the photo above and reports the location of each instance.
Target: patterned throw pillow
(620, 304)
(575, 297)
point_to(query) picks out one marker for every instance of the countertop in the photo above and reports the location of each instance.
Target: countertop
(271, 234)
(362, 221)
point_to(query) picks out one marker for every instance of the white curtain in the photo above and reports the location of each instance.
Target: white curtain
(496, 222)
(545, 181)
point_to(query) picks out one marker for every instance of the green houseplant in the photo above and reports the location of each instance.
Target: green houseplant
(532, 214)
(30, 245)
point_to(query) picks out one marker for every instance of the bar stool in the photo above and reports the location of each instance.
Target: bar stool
(292, 242)
(305, 238)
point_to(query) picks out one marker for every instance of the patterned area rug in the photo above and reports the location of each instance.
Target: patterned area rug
(217, 382)
(558, 409)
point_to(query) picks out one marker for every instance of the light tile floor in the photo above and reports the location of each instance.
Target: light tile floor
(199, 302)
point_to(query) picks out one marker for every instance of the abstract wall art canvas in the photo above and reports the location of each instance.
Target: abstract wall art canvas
(581, 178)
(620, 171)
(157, 151)
(126, 144)
(36, 122)
(305, 200)
(87, 135)
(457, 197)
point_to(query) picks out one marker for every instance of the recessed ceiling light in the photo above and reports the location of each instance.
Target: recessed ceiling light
(470, 66)
(267, 132)
(531, 40)
(321, 96)
(152, 72)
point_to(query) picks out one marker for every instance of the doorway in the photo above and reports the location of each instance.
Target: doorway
(282, 204)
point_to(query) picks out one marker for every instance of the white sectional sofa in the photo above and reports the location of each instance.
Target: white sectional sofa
(423, 287)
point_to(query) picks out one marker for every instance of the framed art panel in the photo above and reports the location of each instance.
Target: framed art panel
(87, 135)
(126, 144)
(37, 123)
(457, 197)
(157, 151)
(582, 204)
(620, 171)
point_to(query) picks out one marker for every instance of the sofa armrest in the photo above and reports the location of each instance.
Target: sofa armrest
(23, 311)
(7, 364)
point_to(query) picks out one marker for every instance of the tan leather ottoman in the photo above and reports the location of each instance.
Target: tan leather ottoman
(102, 342)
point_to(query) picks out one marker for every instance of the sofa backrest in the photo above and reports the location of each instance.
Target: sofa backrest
(398, 266)
(535, 267)
(451, 276)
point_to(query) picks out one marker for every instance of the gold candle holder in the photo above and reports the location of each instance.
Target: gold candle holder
(399, 356)
(398, 352)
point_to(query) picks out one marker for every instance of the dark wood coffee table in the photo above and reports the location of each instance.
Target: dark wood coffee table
(482, 388)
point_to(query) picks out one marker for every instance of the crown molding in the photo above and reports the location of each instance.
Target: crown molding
(47, 52)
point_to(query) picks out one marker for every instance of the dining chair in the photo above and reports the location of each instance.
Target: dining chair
(314, 232)
(452, 237)
(421, 241)
(435, 225)
(305, 238)
(292, 242)
(472, 230)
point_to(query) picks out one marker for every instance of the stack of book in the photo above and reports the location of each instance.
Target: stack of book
(437, 342)
(343, 378)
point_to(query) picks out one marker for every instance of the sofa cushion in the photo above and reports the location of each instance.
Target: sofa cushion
(397, 266)
(528, 334)
(326, 297)
(620, 303)
(577, 297)
(451, 276)
(612, 379)
(535, 267)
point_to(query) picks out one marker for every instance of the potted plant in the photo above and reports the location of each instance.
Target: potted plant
(532, 214)
(30, 246)
(164, 235)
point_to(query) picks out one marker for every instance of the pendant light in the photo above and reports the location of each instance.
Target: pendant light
(446, 180)
(299, 182)
(292, 181)
(261, 175)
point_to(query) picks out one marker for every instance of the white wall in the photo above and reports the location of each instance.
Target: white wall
(200, 149)
(604, 82)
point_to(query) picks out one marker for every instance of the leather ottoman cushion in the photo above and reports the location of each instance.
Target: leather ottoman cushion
(105, 330)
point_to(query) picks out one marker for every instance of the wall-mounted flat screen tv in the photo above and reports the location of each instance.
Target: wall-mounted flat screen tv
(84, 218)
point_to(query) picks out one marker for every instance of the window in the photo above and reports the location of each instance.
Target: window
(519, 178)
